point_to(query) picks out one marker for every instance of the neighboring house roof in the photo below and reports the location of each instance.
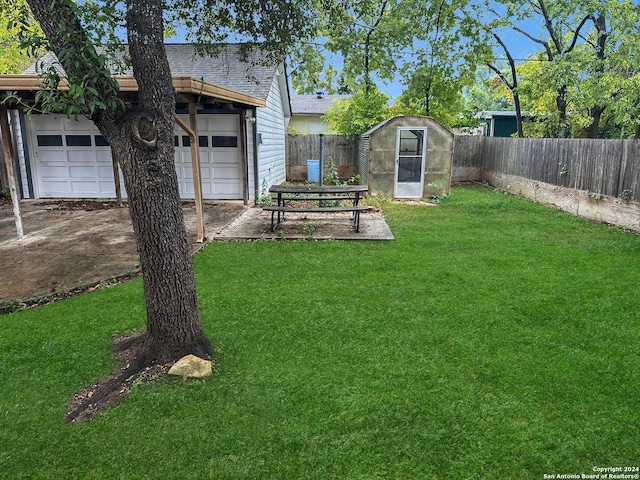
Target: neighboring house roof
(496, 113)
(313, 104)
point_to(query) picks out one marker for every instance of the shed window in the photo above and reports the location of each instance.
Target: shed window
(78, 140)
(186, 142)
(203, 141)
(411, 142)
(224, 141)
(49, 140)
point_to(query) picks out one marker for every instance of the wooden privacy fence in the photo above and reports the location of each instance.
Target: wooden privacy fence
(342, 151)
(605, 167)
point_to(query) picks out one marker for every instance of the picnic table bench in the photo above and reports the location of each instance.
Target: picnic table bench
(295, 198)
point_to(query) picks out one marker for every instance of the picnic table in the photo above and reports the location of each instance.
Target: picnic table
(297, 198)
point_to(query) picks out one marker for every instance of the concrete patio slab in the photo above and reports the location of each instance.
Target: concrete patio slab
(255, 224)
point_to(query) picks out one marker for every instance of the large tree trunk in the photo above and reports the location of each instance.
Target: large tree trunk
(561, 104)
(511, 85)
(594, 128)
(141, 139)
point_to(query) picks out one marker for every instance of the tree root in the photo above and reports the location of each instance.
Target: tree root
(90, 401)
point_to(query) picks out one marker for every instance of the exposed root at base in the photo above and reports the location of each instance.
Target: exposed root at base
(115, 386)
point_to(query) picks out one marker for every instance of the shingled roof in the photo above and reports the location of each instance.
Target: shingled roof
(226, 70)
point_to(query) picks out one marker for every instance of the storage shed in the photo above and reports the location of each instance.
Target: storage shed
(407, 157)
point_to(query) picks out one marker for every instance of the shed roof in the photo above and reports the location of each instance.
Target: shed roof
(421, 120)
(313, 104)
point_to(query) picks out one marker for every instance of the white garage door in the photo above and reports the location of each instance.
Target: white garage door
(71, 159)
(220, 165)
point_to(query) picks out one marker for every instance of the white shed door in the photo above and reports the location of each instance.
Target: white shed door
(71, 158)
(411, 146)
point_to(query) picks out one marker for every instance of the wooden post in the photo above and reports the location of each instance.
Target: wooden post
(116, 179)
(7, 151)
(192, 130)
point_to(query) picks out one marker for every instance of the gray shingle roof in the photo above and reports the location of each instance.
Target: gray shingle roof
(226, 70)
(312, 104)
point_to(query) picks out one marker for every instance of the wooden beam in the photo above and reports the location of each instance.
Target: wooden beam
(7, 152)
(116, 179)
(189, 85)
(192, 130)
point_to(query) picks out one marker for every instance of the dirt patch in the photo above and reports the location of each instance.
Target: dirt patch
(88, 205)
(74, 245)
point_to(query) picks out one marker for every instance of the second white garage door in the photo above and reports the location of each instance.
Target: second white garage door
(72, 160)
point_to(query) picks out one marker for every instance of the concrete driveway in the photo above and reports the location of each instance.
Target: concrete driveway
(72, 243)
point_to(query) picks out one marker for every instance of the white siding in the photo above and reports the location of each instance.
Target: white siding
(271, 123)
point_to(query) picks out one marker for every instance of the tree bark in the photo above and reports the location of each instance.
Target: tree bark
(561, 105)
(141, 139)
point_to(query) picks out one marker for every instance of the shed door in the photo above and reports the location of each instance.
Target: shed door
(411, 146)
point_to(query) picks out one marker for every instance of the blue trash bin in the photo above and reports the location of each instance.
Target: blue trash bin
(313, 171)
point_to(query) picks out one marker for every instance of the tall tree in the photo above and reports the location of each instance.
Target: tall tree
(442, 58)
(365, 38)
(511, 82)
(560, 24)
(354, 115)
(141, 135)
(587, 56)
(14, 58)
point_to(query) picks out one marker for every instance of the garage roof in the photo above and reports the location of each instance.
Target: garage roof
(187, 85)
(224, 77)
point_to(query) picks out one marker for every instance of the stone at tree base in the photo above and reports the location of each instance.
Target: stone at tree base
(192, 367)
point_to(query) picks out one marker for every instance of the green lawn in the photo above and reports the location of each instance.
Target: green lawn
(494, 338)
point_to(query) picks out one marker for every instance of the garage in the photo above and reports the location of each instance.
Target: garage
(71, 159)
(239, 107)
(220, 161)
